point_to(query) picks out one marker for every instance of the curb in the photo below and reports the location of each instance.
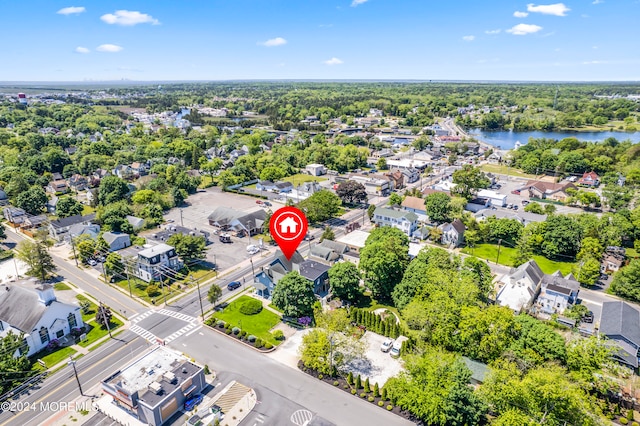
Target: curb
(241, 342)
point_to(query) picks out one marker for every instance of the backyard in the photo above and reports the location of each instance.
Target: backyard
(508, 255)
(259, 324)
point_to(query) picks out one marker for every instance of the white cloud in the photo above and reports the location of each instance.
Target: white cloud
(524, 29)
(519, 14)
(557, 9)
(128, 18)
(71, 10)
(111, 48)
(597, 2)
(593, 62)
(492, 32)
(278, 41)
(355, 3)
(81, 49)
(469, 38)
(333, 61)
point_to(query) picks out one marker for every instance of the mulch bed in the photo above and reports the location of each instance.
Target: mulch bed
(344, 386)
(241, 339)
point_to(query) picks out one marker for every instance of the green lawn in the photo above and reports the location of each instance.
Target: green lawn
(302, 178)
(508, 254)
(97, 331)
(201, 273)
(138, 289)
(91, 313)
(61, 286)
(504, 170)
(258, 325)
(52, 358)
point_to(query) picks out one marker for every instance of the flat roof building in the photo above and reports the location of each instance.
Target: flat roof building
(155, 386)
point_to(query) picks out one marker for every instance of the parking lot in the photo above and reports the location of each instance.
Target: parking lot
(195, 215)
(378, 366)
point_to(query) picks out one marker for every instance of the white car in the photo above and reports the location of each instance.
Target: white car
(386, 345)
(92, 262)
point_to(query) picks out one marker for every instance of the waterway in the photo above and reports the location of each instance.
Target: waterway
(506, 139)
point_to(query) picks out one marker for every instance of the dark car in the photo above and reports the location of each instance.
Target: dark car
(190, 403)
(588, 317)
(233, 285)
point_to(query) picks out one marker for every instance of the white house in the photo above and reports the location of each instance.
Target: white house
(156, 261)
(557, 293)
(116, 240)
(316, 169)
(519, 288)
(495, 199)
(405, 221)
(31, 308)
(453, 233)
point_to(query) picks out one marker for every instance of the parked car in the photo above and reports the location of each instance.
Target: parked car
(190, 403)
(588, 317)
(386, 345)
(397, 346)
(309, 237)
(260, 202)
(509, 206)
(92, 262)
(525, 202)
(266, 203)
(515, 207)
(516, 192)
(233, 285)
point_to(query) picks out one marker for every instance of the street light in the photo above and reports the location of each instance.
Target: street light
(72, 363)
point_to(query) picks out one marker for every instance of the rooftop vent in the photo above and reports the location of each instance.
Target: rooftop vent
(155, 387)
(170, 377)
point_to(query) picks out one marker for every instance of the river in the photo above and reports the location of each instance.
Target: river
(506, 139)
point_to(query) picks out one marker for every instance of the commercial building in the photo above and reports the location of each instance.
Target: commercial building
(495, 199)
(155, 386)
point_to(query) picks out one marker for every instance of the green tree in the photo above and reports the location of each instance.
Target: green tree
(435, 388)
(534, 208)
(214, 294)
(484, 334)
(272, 173)
(537, 342)
(86, 248)
(590, 247)
(294, 295)
(395, 199)
(321, 206)
(382, 164)
(112, 189)
(113, 264)
(562, 237)
(68, 206)
(188, 247)
(481, 274)
(438, 207)
(468, 180)
(103, 315)
(383, 260)
(351, 192)
(549, 209)
(587, 271)
(513, 417)
(371, 210)
(327, 234)
(32, 200)
(36, 255)
(344, 278)
(14, 363)
(626, 282)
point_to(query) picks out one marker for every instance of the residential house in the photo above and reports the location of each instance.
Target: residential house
(77, 182)
(611, 263)
(428, 191)
(316, 169)
(453, 233)
(411, 175)
(124, 171)
(97, 176)
(266, 185)
(58, 187)
(284, 187)
(519, 288)
(548, 190)
(52, 204)
(621, 323)
(229, 219)
(372, 185)
(328, 251)
(415, 205)
(35, 222)
(557, 293)
(59, 228)
(4, 199)
(523, 217)
(318, 274)
(139, 169)
(92, 196)
(71, 150)
(590, 179)
(155, 386)
(116, 240)
(155, 262)
(405, 221)
(91, 230)
(495, 157)
(306, 190)
(396, 179)
(266, 280)
(621, 180)
(136, 222)
(14, 215)
(32, 308)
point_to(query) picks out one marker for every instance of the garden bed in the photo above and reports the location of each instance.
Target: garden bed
(379, 401)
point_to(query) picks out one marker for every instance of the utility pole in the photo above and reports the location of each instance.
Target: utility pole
(72, 363)
(73, 246)
(199, 295)
(126, 270)
(181, 224)
(253, 272)
(103, 309)
(498, 256)
(104, 273)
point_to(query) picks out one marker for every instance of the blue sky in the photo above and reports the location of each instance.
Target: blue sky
(577, 40)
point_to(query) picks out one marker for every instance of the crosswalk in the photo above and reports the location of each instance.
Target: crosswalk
(192, 325)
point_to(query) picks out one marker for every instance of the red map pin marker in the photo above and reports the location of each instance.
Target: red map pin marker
(288, 227)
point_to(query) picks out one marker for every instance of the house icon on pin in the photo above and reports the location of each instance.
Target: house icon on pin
(288, 226)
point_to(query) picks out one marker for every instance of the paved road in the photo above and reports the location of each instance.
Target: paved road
(62, 387)
(98, 289)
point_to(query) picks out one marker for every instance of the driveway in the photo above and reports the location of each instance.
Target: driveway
(378, 366)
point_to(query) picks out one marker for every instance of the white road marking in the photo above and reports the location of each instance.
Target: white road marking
(301, 417)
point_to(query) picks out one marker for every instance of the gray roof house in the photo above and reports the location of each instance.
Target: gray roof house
(136, 222)
(621, 323)
(31, 308)
(557, 293)
(520, 287)
(116, 240)
(453, 233)
(228, 218)
(59, 228)
(90, 230)
(405, 221)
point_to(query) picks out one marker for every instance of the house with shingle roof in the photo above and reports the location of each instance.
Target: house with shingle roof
(415, 205)
(548, 190)
(453, 233)
(405, 221)
(621, 323)
(32, 308)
